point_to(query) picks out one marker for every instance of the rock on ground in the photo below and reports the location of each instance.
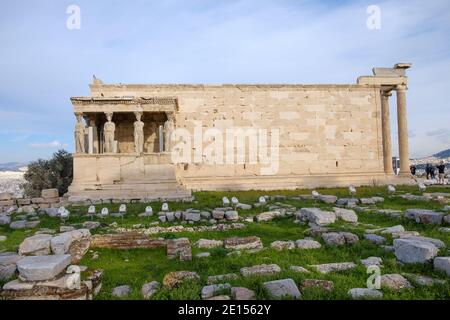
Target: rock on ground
(346, 215)
(307, 244)
(23, 224)
(317, 216)
(422, 280)
(298, 269)
(442, 264)
(283, 245)
(282, 288)
(149, 289)
(315, 283)
(243, 243)
(262, 269)
(121, 291)
(38, 245)
(213, 289)
(8, 261)
(241, 293)
(39, 268)
(414, 251)
(332, 267)
(438, 243)
(208, 244)
(330, 199)
(203, 255)
(174, 279)
(424, 216)
(446, 219)
(231, 215)
(91, 225)
(372, 261)
(220, 298)
(339, 238)
(266, 216)
(222, 277)
(395, 282)
(365, 293)
(374, 238)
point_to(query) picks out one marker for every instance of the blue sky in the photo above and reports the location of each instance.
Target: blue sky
(43, 64)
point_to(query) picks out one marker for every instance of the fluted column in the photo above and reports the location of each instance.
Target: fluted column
(386, 132)
(402, 121)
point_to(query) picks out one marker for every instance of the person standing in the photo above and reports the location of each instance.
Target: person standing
(413, 168)
(432, 171)
(441, 172)
(428, 171)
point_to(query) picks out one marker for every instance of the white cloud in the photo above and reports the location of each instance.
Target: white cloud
(54, 144)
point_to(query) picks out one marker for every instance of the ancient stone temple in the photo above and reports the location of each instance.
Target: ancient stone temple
(151, 141)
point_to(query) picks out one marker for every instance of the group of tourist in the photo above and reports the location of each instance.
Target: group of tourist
(430, 171)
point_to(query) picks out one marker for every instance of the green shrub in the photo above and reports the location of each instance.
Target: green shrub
(47, 174)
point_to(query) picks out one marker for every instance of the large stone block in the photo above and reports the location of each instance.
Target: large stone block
(242, 243)
(424, 216)
(318, 216)
(285, 288)
(61, 243)
(262, 269)
(346, 214)
(39, 268)
(49, 193)
(442, 264)
(38, 245)
(414, 251)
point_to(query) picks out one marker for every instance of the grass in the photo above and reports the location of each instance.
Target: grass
(138, 266)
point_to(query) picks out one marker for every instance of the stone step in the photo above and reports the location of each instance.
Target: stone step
(39, 268)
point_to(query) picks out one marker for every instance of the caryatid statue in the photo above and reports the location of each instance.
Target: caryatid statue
(138, 133)
(80, 131)
(169, 126)
(108, 130)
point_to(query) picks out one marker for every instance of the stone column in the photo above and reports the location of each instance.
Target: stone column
(161, 138)
(94, 140)
(402, 121)
(386, 129)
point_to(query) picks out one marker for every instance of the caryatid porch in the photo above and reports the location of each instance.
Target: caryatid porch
(123, 150)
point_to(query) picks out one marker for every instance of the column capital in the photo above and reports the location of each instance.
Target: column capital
(138, 114)
(401, 87)
(109, 115)
(386, 94)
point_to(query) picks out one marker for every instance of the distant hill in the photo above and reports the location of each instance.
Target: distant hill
(443, 154)
(12, 166)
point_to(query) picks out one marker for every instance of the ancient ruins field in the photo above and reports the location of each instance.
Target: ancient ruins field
(332, 236)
